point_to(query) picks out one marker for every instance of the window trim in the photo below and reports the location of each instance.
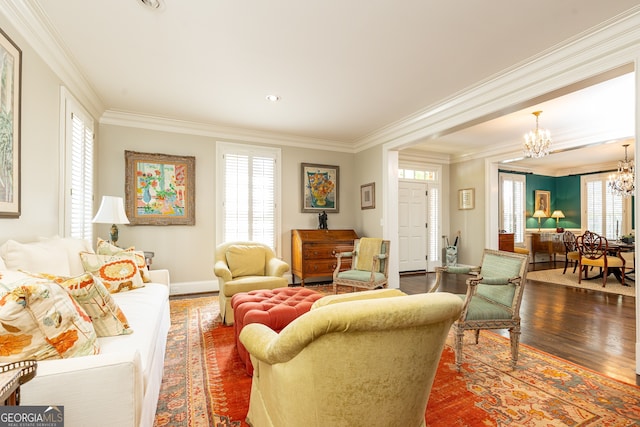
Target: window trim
(69, 106)
(223, 148)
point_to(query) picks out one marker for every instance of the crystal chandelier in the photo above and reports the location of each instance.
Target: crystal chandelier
(537, 142)
(622, 183)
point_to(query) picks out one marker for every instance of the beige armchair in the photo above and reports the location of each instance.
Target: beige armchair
(364, 361)
(244, 267)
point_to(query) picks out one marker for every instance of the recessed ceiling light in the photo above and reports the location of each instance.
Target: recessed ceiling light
(273, 98)
(153, 4)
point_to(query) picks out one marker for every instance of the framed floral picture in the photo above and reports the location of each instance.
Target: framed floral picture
(10, 93)
(320, 185)
(160, 189)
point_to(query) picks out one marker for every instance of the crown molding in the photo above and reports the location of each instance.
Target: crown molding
(165, 124)
(604, 47)
(29, 20)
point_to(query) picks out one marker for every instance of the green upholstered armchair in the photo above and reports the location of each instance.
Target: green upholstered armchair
(493, 297)
(244, 267)
(358, 359)
(369, 265)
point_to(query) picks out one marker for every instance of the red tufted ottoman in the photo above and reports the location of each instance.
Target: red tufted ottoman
(275, 308)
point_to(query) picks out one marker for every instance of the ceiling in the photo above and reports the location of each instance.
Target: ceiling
(342, 70)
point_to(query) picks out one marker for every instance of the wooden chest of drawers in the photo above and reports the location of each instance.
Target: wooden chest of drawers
(313, 252)
(505, 242)
(548, 243)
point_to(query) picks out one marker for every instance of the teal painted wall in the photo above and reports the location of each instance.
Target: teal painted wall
(565, 196)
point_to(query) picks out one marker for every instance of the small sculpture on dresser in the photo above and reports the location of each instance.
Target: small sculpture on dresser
(322, 221)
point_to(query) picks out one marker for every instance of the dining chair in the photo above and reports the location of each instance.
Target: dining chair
(571, 253)
(595, 252)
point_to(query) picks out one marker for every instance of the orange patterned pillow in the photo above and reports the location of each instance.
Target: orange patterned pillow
(118, 273)
(105, 248)
(40, 320)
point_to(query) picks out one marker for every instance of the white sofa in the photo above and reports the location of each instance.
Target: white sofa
(120, 385)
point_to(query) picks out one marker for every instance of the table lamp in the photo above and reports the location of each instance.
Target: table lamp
(111, 212)
(557, 215)
(539, 214)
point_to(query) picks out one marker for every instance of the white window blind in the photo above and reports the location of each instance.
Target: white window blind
(606, 213)
(433, 219)
(78, 188)
(512, 201)
(250, 194)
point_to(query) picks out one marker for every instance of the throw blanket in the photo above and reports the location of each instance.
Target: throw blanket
(369, 246)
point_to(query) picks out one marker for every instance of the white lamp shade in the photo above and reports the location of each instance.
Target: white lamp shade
(557, 214)
(539, 214)
(111, 211)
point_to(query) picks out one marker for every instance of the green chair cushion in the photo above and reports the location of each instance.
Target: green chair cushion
(480, 309)
(361, 276)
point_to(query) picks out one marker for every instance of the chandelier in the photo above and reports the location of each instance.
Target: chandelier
(622, 183)
(537, 142)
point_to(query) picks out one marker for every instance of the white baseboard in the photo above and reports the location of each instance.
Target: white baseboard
(182, 288)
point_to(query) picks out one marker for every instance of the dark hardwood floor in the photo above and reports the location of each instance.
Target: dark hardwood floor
(593, 329)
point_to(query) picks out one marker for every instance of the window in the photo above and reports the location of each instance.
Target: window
(512, 205)
(605, 213)
(78, 151)
(248, 183)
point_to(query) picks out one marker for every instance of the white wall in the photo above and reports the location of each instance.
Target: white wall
(39, 156)
(188, 251)
(470, 222)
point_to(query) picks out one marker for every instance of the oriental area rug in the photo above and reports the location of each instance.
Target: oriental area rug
(205, 383)
(570, 279)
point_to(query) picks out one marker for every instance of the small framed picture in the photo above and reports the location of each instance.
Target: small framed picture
(543, 202)
(368, 196)
(466, 198)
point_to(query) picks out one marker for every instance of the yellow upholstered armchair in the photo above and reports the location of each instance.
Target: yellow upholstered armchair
(244, 267)
(365, 361)
(369, 265)
(492, 301)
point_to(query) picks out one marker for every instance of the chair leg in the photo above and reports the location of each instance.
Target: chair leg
(514, 333)
(335, 288)
(605, 273)
(477, 331)
(566, 263)
(459, 336)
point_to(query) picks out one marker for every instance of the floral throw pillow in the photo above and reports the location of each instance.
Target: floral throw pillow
(40, 320)
(118, 273)
(107, 317)
(105, 248)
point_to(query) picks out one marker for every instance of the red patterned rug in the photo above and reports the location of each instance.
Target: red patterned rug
(205, 385)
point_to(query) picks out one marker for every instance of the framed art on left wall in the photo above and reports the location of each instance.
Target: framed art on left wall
(10, 93)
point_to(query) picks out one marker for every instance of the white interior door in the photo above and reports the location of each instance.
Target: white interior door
(412, 225)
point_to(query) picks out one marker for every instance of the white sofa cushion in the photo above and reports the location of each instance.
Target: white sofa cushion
(59, 256)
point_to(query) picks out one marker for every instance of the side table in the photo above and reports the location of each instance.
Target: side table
(10, 388)
(12, 375)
